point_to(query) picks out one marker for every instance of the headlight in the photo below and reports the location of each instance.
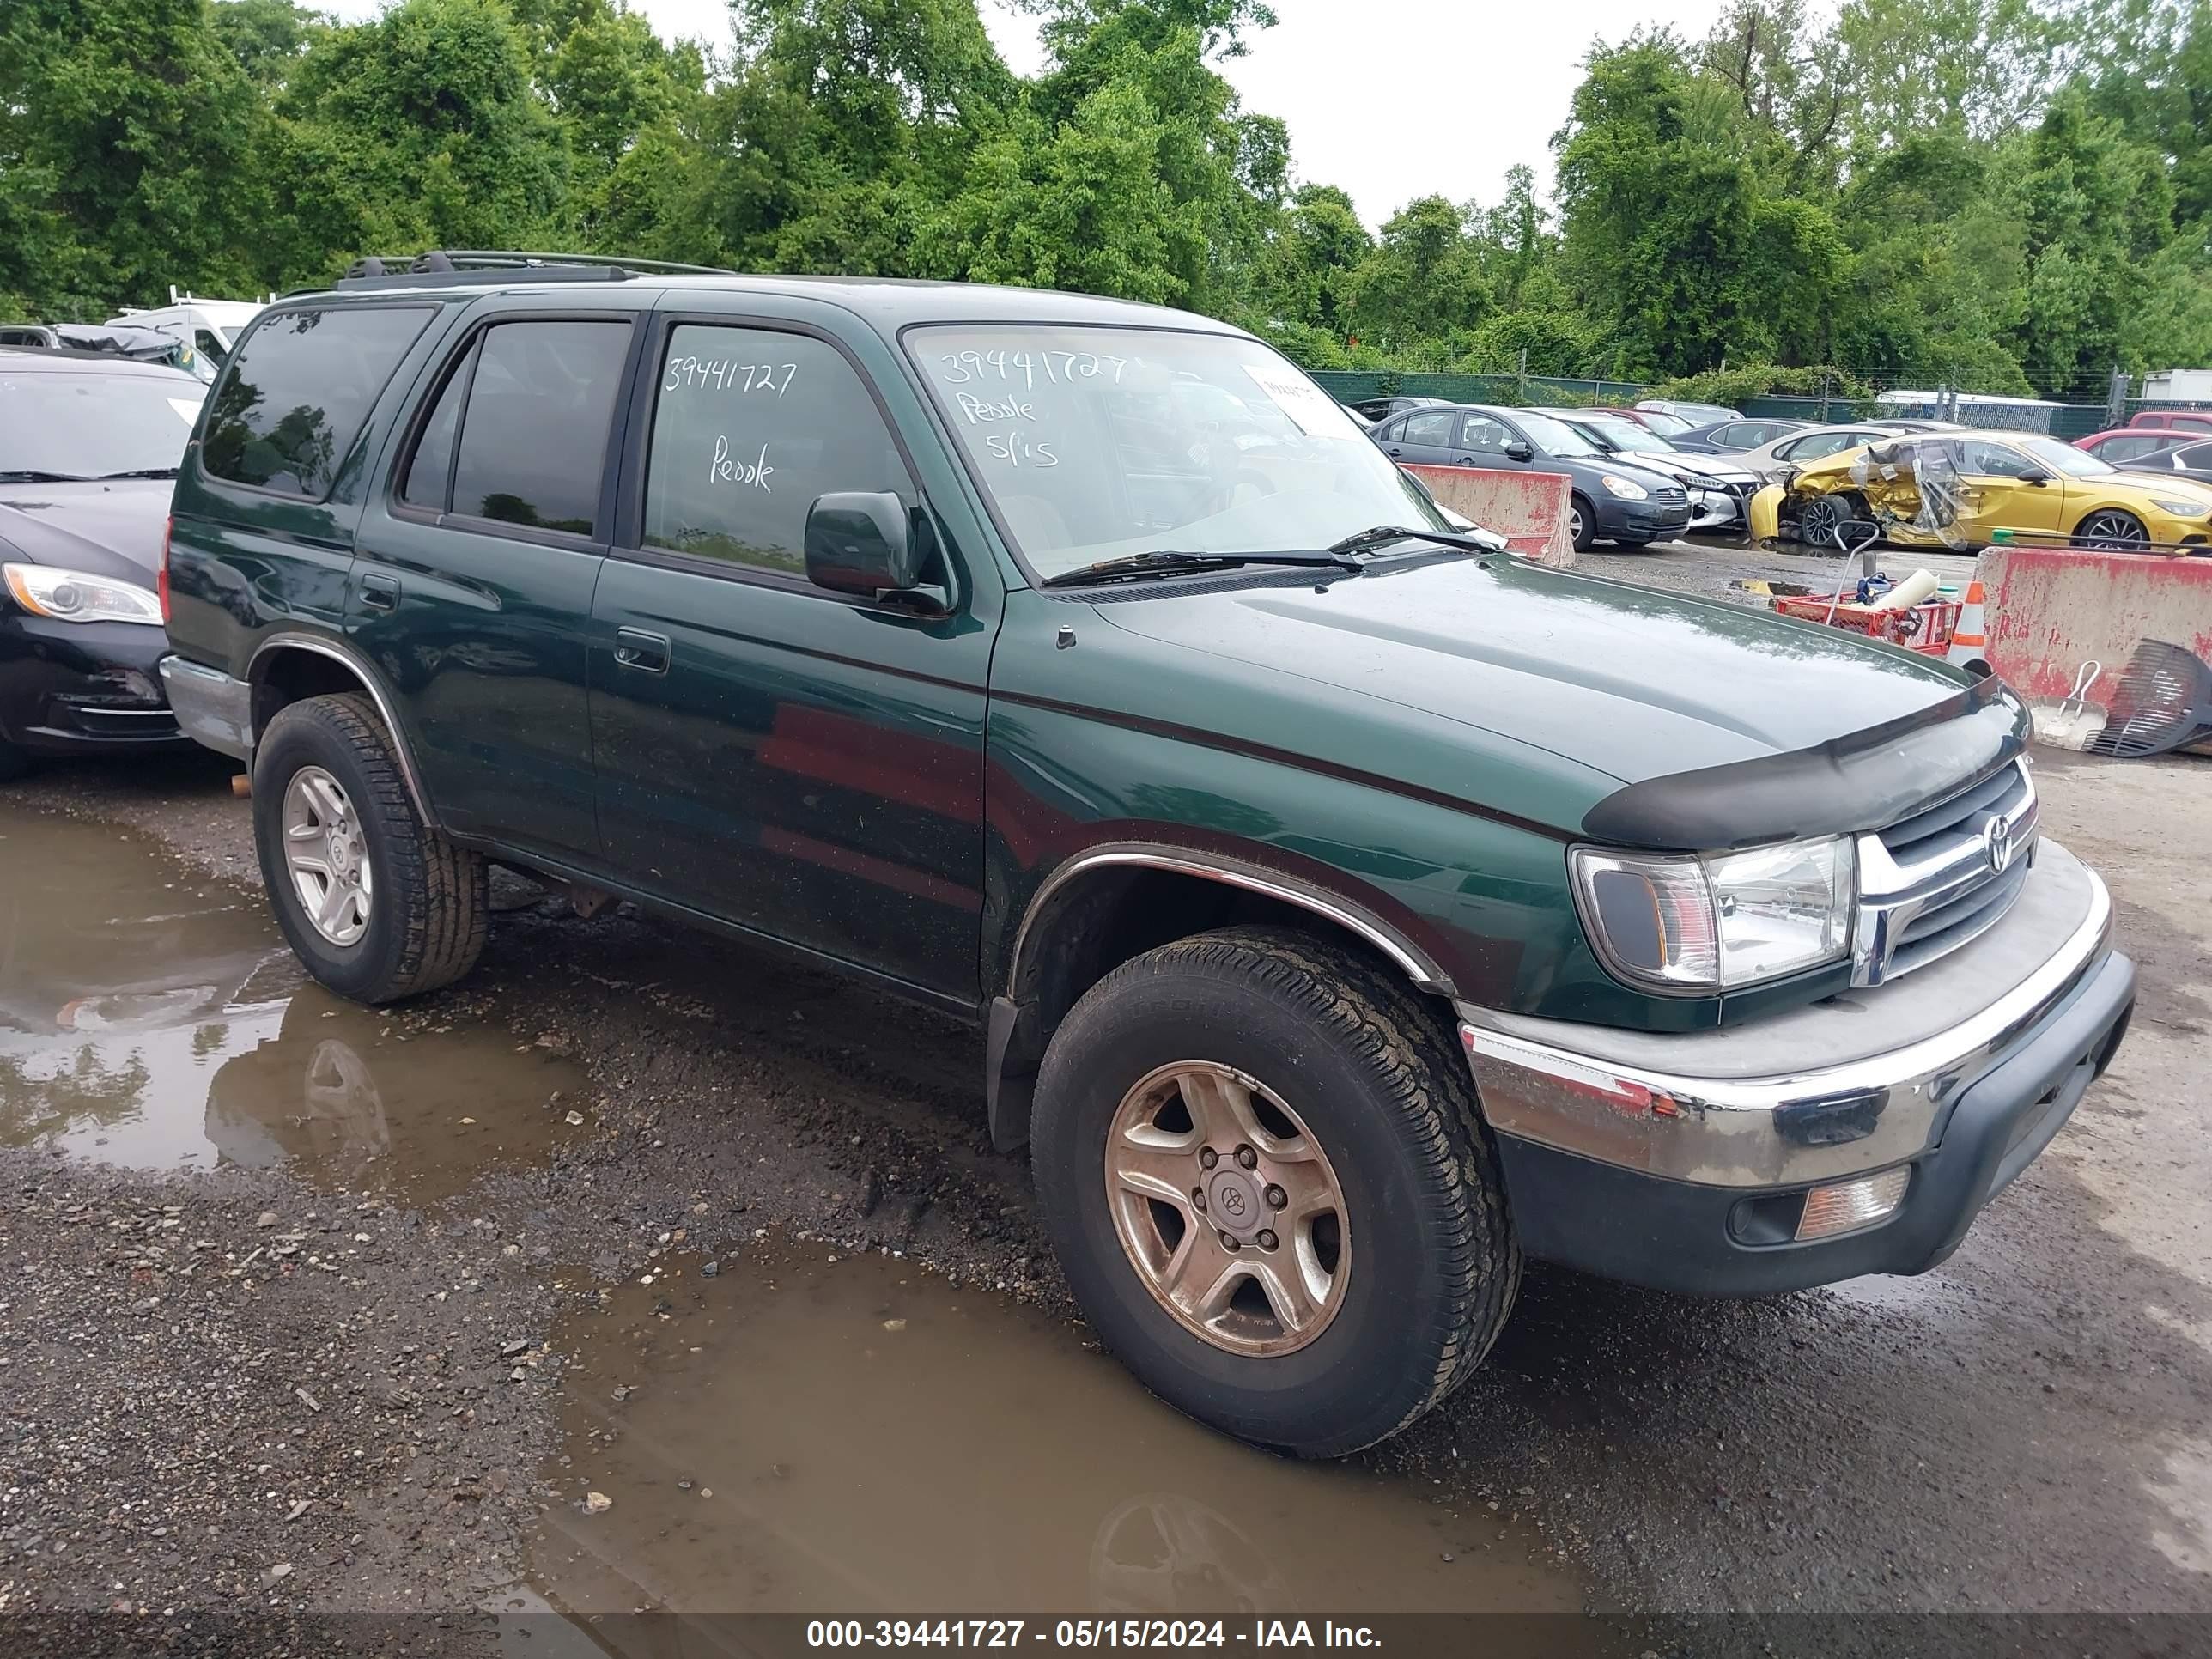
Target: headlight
(1685, 924)
(2181, 509)
(1627, 489)
(73, 596)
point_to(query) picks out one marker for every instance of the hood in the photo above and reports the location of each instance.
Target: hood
(1626, 681)
(1679, 464)
(112, 529)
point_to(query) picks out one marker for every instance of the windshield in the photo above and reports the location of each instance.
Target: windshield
(1101, 443)
(1554, 437)
(1625, 435)
(2064, 458)
(94, 425)
(1667, 425)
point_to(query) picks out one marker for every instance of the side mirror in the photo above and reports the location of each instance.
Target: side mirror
(861, 542)
(2036, 478)
(1520, 450)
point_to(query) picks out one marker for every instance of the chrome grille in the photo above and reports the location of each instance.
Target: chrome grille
(1939, 879)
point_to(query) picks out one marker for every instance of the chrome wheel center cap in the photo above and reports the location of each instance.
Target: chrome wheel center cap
(1234, 1201)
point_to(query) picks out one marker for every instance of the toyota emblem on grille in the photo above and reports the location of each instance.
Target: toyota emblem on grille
(1997, 838)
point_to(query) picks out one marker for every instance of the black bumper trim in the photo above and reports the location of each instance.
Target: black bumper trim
(1676, 1236)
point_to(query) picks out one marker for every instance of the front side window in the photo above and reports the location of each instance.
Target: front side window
(299, 391)
(87, 424)
(1098, 443)
(749, 428)
(1482, 433)
(533, 448)
(1987, 460)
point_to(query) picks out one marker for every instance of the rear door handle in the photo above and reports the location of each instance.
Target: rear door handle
(646, 652)
(380, 592)
(1394, 450)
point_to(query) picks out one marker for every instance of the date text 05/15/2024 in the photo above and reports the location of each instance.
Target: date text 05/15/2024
(1088, 1633)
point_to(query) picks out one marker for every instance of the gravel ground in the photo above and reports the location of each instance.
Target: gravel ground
(2023, 1430)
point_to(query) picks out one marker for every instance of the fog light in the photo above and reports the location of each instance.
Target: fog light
(1849, 1205)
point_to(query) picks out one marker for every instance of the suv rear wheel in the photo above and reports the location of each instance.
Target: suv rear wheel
(376, 904)
(1260, 1162)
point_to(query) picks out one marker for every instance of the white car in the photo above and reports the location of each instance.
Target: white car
(1719, 486)
(1798, 449)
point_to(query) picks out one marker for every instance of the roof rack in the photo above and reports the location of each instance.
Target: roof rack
(448, 265)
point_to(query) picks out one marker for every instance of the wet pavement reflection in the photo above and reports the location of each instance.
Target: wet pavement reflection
(151, 1018)
(806, 1434)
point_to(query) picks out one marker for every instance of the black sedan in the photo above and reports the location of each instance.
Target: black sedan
(2189, 460)
(1382, 409)
(90, 444)
(1737, 435)
(1612, 500)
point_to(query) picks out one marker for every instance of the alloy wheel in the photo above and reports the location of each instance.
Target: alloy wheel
(326, 856)
(2111, 530)
(1228, 1208)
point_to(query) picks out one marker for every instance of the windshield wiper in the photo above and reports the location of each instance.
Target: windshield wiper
(1169, 562)
(143, 472)
(1481, 542)
(32, 475)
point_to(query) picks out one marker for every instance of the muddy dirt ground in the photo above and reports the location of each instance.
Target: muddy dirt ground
(307, 1309)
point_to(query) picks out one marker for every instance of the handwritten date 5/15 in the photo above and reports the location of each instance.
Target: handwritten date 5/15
(1018, 449)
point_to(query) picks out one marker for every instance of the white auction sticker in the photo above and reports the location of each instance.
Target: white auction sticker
(1313, 410)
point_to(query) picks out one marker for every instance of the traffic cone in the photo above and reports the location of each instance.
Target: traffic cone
(1970, 641)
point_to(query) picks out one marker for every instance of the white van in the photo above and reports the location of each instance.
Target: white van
(209, 326)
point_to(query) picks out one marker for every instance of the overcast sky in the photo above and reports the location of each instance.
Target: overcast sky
(1389, 99)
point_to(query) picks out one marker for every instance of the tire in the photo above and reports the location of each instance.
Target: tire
(423, 921)
(1426, 1265)
(2109, 530)
(1581, 522)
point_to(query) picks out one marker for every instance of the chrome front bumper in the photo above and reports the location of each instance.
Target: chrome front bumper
(1860, 1081)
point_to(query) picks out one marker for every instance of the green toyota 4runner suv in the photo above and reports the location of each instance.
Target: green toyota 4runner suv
(1354, 909)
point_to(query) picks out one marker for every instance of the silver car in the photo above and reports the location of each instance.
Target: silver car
(1719, 486)
(1769, 461)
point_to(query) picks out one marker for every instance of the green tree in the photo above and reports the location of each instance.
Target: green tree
(126, 131)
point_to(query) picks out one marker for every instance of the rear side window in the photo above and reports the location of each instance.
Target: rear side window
(749, 427)
(519, 432)
(299, 392)
(1435, 429)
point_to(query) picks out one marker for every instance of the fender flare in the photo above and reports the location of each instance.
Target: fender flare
(1008, 1095)
(323, 645)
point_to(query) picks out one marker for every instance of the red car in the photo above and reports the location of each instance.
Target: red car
(2123, 446)
(2198, 421)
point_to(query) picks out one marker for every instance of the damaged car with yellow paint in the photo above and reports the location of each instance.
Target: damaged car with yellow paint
(1956, 490)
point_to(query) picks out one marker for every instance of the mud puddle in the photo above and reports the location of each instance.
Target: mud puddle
(809, 1434)
(151, 1018)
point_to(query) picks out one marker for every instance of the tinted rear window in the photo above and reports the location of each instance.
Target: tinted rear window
(298, 392)
(533, 444)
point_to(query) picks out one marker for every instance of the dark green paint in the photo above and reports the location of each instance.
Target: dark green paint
(890, 790)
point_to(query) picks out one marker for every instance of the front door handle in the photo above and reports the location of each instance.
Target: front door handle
(1394, 450)
(380, 592)
(646, 652)
(1466, 460)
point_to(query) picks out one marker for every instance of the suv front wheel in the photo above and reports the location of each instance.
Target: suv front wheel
(1260, 1159)
(378, 904)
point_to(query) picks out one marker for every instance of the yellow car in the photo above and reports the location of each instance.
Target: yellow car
(1955, 490)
